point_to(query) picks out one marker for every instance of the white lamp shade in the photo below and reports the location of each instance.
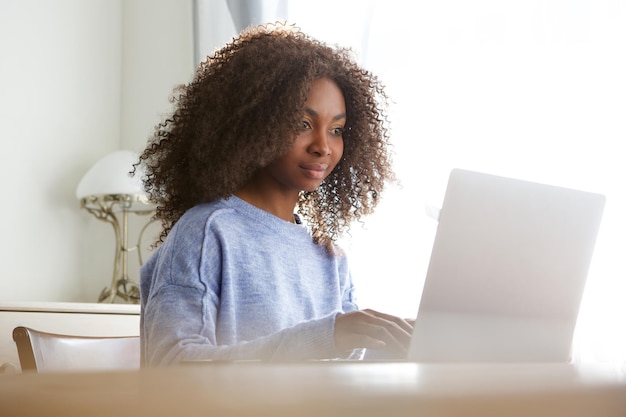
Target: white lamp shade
(110, 175)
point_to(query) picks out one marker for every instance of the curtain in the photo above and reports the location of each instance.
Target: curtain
(253, 12)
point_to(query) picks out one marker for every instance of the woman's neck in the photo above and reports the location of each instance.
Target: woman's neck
(275, 201)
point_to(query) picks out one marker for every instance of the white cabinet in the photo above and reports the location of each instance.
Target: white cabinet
(85, 319)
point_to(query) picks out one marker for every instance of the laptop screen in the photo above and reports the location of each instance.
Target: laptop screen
(507, 271)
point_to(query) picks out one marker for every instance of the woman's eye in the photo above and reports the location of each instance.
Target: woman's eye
(304, 125)
(338, 131)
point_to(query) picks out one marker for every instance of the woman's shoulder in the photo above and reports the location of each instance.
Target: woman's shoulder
(238, 219)
(230, 213)
(204, 213)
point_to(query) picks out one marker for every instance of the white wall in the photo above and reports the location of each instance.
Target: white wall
(63, 66)
(157, 55)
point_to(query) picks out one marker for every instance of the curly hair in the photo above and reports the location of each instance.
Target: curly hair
(243, 109)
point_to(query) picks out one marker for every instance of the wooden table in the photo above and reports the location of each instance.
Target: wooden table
(322, 389)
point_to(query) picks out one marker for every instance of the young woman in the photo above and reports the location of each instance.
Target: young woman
(272, 151)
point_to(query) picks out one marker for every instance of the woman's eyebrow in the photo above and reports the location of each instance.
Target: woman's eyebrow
(313, 113)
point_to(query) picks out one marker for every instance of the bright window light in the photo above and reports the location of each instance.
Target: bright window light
(533, 90)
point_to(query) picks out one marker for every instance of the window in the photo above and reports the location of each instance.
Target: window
(533, 90)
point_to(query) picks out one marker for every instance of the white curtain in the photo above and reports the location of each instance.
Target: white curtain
(528, 89)
(253, 12)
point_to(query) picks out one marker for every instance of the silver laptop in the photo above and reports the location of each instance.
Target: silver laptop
(507, 271)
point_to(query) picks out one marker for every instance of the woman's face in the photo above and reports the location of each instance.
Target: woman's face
(319, 145)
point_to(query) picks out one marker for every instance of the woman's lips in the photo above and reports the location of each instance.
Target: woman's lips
(314, 171)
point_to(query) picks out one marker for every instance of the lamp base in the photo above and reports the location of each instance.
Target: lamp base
(102, 207)
(125, 289)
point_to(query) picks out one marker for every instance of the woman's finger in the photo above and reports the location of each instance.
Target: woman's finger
(371, 329)
(403, 323)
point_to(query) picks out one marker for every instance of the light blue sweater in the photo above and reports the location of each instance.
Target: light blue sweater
(232, 281)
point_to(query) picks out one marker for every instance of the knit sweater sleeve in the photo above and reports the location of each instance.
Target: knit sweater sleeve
(218, 289)
(178, 334)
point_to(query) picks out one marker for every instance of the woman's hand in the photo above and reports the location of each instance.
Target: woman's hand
(374, 330)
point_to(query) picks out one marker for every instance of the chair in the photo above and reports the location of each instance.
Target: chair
(48, 352)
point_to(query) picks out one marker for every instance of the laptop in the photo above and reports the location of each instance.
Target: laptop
(507, 271)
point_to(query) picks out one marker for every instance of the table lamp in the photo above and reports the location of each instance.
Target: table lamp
(106, 191)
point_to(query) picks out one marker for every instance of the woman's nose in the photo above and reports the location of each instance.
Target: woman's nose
(320, 144)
